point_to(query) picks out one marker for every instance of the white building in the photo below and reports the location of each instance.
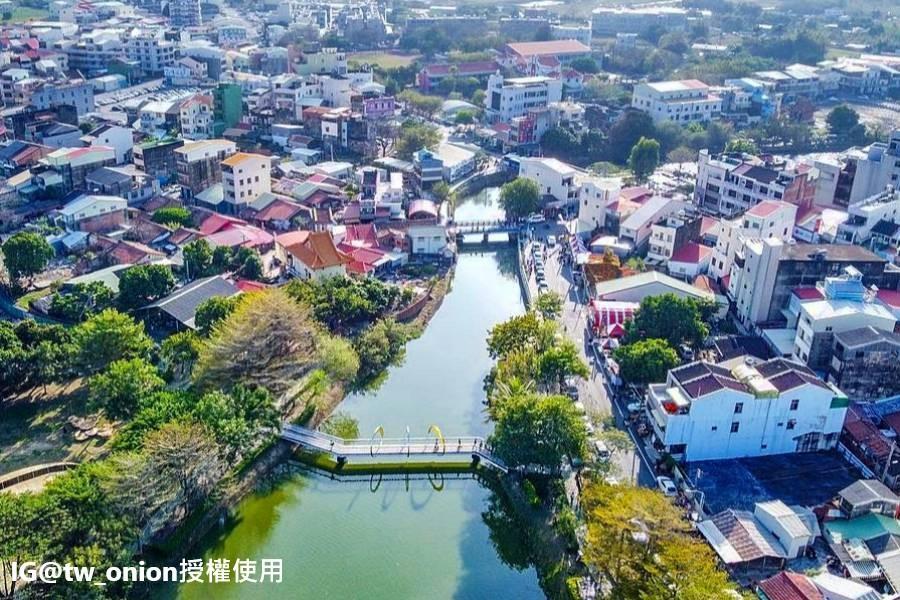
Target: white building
(77, 93)
(846, 305)
(94, 51)
(582, 33)
(327, 60)
(635, 288)
(244, 177)
(185, 13)
(554, 178)
(686, 101)
(864, 215)
(879, 168)
(612, 20)
(195, 117)
(638, 226)
(150, 50)
(514, 97)
(707, 412)
(120, 139)
(427, 238)
(594, 195)
(186, 71)
(769, 218)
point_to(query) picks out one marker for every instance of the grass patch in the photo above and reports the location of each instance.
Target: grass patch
(25, 300)
(384, 60)
(21, 14)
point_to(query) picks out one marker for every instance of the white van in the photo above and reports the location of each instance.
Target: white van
(601, 451)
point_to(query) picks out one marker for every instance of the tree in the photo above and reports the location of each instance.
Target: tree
(342, 302)
(341, 425)
(549, 305)
(644, 158)
(478, 97)
(221, 258)
(248, 264)
(520, 332)
(415, 136)
(519, 198)
(626, 132)
(81, 301)
(464, 117)
(441, 191)
(380, 346)
(532, 429)
(842, 119)
(424, 105)
(180, 465)
(237, 419)
(173, 216)
(20, 536)
(123, 386)
(178, 353)
(559, 362)
(386, 132)
(646, 361)
(268, 341)
(560, 142)
(639, 543)
(681, 154)
(212, 311)
(26, 254)
(143, 284)
(668, 317)
(198, 259)
(742, 145)
(106, 337)
(585, 64)
(339, 359)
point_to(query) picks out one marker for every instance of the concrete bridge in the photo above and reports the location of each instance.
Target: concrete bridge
(379, 451)
(472, 229)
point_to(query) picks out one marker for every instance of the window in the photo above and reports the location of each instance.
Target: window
(792, 423)
(795, 403)
(715, 427)
(735, 426)
(738, 408)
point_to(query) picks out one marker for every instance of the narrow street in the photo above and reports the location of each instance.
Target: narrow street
(593, 391)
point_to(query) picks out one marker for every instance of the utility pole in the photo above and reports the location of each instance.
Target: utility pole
(887, 465)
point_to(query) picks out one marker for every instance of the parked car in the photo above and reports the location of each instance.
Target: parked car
(572, 392)
(536, 218)
(601, 450)
(666, 486)
(633, 408)
(543, 287)
(551, 241)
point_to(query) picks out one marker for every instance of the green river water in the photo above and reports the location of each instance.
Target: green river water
(415, 539)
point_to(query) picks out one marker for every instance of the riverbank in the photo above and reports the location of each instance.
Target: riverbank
(248, 476)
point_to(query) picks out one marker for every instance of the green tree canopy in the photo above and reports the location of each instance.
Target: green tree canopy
(414, 136)
(646, 361)
(25, 254)
(198, 259)
(144, 284)
(533, 429)
(744, 145)
(520, 332)
(644, 158)
(668, 317)
(123, 386)
(842, 119)
(341, 425)
(585, 64)
(81, 301)
(520, 197)
(212, 311)
(174, 216)
(626, 132)
(237, 418)
(464, 117)
(109, 336)
(341, 302)
(380, 346)
(549, 305)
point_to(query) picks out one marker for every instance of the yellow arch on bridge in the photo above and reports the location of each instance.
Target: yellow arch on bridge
(440, 436)
(379, 432)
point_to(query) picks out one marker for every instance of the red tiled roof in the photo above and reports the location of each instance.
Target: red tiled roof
(635, 193)
(216, 222)
(790, 586)
(866, 433)
(764, 208)
(807, 293)
(705, 283)
(279, 210)
(892, 420)
(707, 224)
(889, 298)
(361, 236)
(692, 252)
(319, 251)
(240, 235)
(245, 285)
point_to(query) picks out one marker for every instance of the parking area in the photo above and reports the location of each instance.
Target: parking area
(805, 479)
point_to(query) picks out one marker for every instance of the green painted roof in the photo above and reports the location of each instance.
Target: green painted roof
(867, 527)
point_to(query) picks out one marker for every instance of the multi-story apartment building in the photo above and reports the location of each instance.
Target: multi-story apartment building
(198, 164)
(330, 61)
(609, 21)
(77, 93)
(120, 139)
(794, 82)
(553, 177)
(195, 117)
(865, 215)
(157, 158)
(878, 168)
(865, 363)
(185, 13)
(186, 72)
(708, 412)
(769, 218)
(637, 227)
(564, 31)
(151, 51)
(431, 75)
(729, 184)
(71, 165)
(244, 177)
(676, 230)
(687, 101)
(845, 305)
(93, 52)
(514, 97)
(594, 195)
(765, 271)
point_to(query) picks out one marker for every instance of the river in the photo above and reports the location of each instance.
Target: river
(407, 539)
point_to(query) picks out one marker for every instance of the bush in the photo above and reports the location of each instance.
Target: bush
(531, 495)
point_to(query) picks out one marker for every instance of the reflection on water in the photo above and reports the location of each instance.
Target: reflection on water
(409, 538)
(484, 206)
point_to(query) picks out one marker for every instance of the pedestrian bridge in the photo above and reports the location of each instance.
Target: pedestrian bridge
(379, 451)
